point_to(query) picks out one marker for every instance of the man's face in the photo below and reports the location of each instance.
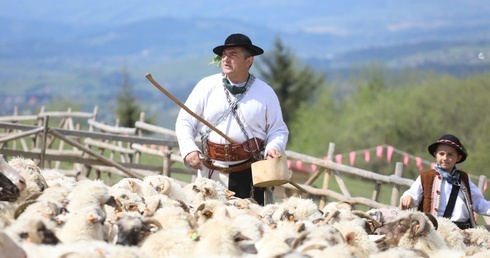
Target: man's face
(234, 61)
(447, 156)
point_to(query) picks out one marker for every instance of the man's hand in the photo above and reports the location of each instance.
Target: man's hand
(406, 202)
(193, 159)
(273, 153)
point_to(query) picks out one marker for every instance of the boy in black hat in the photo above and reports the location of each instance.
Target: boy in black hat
(445, 191)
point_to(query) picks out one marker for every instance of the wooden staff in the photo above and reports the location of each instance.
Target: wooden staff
(178, 102)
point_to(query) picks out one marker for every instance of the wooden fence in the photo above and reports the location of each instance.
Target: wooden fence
(112, 149)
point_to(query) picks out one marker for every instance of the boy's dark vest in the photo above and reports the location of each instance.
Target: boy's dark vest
(427, 179)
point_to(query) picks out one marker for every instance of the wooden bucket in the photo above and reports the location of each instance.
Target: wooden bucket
(271, 172)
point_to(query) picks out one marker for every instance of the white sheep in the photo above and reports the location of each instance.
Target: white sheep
(172, 242)
(167, 186)
(88, 193)
(84, 224)
(298, 209)
(412, 230)
(204, 189)
(35, 182)
(221, 237)
(477, 240)
(451, 234)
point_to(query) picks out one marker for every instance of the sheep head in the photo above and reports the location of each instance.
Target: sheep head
(413, 226)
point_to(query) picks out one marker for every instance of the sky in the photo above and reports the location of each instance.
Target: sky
(309, 15)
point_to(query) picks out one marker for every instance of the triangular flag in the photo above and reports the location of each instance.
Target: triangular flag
(406, 159)
(379, 151)
(352, 157)
(299, 164)
(338, 158)
(418, 162)
(390, 153)
(366, 155)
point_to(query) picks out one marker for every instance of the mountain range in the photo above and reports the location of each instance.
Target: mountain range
(76, 49)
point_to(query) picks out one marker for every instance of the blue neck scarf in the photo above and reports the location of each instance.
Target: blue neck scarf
(450, 178)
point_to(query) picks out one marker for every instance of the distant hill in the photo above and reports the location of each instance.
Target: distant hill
(53, 50)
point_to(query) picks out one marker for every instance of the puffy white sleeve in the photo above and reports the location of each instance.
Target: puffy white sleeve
(415, 191)
(480, 205)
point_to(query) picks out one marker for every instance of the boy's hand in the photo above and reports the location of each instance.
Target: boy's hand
(406, 202)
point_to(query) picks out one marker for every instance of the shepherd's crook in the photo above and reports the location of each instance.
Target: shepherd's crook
(178, 102)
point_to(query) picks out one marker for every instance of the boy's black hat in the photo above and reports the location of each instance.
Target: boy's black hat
(450, 140)
(239, 40)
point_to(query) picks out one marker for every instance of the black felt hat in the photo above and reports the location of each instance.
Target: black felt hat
(450, 140)
(239, 40)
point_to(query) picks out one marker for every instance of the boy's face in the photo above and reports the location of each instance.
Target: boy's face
(447, 156)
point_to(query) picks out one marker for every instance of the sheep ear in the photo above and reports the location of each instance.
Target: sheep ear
(300, 227)
(132, 185)
(415, 228)
(350, 238)
(240, 237)
(249, 249)
(111, 202)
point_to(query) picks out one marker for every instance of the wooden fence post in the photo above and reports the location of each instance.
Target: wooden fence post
(44, 139)
(395, 193)
(330, 152)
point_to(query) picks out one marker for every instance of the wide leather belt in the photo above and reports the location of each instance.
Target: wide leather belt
(235, 151)
(232, 168)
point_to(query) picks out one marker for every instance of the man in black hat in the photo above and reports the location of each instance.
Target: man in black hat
(242, 107)
(445, 191)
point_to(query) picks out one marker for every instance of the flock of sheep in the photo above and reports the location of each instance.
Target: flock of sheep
(54, 215)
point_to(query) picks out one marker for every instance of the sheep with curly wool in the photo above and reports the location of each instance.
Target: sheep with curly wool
(312, 241)
(151, 198)
(221, 237)
(276, 242)
(55, 178)
(297, 209)
(452, 235)
(356, 238)
(172, 242)
(167, 186)
(86, 223)
(204, 189)
(88, 193)
(82, 249)
(126, 200)
(477, 240)
(175, 217)
(133, 228)
(35, 182)
(36, 229)
(412, 229)
(400, 252)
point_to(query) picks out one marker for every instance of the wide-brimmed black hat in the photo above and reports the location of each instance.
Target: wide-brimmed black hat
(450, 140)
(239, 40)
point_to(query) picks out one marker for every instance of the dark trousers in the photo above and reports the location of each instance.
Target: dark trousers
(463, 225)
(241, 183)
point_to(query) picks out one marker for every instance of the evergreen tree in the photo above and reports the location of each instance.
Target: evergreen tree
(294, 85)
(128, 110)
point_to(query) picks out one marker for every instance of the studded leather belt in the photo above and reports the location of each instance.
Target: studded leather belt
(235, 151)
